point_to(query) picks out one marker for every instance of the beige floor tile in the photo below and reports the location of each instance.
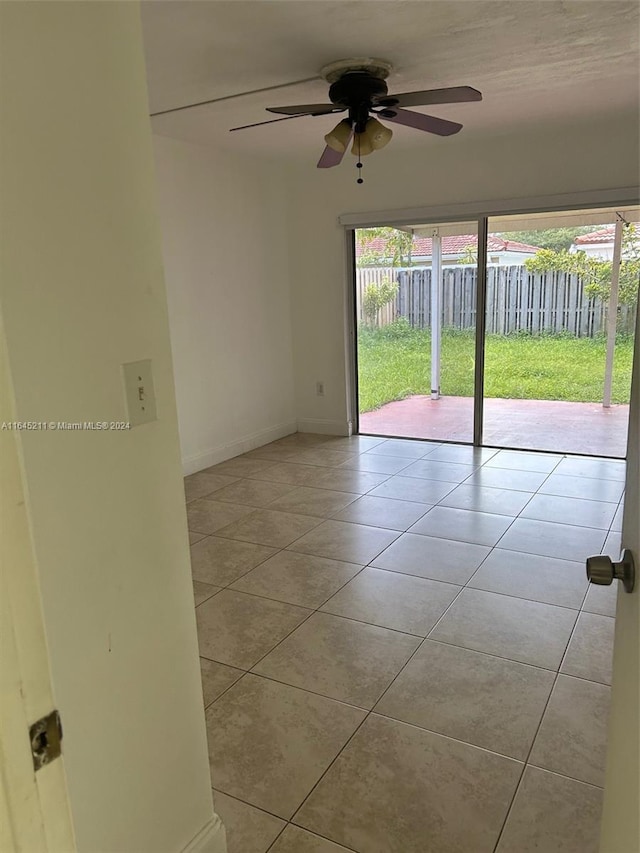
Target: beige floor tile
(338, 540)
(202, 591)
(580, 513)
(273, 453)
(485, 499)
(319, 502)
(599, 469)
(612, 545)
(343, 480)
(507, 478)
(462, 525)
(552, 814)
(339, 658)
(204, 516)
(249, 830)
(255, 493)
(195, 537)
(564, 541)
(487, 701)
(601, 599)
(582, 487)
(617, 518)
(449, 472)
(513, 628)
(462, 453)
(204, 483)
(543, 463)
(289, 472)
(269, 527)
(352, 443)
(297, 578)
(400, 447)
(590, 652)
(429, 557)
(221, 561)
(270, 743)
(216, 677)
(325, 457)
(530, 576)
(383, 512)
(296, 840)
(393, 600)
(240, 466)
(400, 789)
(239, 629)
(413, 489)
(573, 735)
(378, 463)
(300, 439)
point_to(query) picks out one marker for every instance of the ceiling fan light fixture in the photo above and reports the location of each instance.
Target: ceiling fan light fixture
(361, 145)
(377, 134)
(339, 137)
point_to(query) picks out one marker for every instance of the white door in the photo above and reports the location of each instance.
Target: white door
(34, 807)
(621, 816)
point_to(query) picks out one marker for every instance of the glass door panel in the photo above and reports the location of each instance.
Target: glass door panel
(416, 318)
(559, 338)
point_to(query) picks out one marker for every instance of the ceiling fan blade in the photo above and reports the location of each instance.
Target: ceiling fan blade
(331, 158)
(452, 95)
(269, 121)
(431, 124)
(307, 109)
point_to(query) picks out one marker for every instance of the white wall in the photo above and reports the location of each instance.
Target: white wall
(83, 292)
(226, 259)
(540, 161)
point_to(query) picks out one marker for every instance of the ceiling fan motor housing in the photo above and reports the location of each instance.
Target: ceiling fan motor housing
(356, 91)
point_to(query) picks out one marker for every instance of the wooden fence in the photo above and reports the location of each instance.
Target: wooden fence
(517, 300)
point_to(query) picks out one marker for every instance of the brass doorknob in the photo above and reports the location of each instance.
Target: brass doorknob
(602, 570)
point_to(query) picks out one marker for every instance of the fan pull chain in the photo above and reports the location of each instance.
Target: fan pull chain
(359, 165)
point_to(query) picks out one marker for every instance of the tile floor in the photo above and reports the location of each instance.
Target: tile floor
(400, 651)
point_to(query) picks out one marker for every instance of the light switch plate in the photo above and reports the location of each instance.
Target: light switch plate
(139, 394)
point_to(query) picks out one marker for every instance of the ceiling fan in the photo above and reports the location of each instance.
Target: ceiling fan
(357, 87)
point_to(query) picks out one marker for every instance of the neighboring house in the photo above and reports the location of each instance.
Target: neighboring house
(456, 248)
(596, 244)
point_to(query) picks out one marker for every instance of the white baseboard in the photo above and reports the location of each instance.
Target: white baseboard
(192, 464)
(212, 838)
(323, 427)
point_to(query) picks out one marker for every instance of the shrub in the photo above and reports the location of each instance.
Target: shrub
(376, 296)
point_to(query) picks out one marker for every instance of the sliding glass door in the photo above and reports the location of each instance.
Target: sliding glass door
(545, 365)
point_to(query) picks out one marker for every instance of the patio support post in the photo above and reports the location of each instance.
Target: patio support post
(612, 314)
(436, 312)
(481, 326)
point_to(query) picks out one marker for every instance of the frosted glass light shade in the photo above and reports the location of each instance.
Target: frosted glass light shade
(361, 145)
(377, 134)
(338, 138)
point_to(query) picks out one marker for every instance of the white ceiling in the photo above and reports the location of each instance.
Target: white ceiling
(535, 61)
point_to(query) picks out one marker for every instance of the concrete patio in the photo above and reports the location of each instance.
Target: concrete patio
(585, 428)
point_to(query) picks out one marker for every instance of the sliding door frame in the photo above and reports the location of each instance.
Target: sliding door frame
(480, 212)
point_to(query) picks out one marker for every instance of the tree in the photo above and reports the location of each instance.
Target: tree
(595, 273)
(396, 251)
(555, 239)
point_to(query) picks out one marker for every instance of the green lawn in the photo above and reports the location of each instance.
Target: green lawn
(395, 362)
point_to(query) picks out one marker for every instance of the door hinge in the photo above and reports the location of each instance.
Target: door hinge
(46, 739)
